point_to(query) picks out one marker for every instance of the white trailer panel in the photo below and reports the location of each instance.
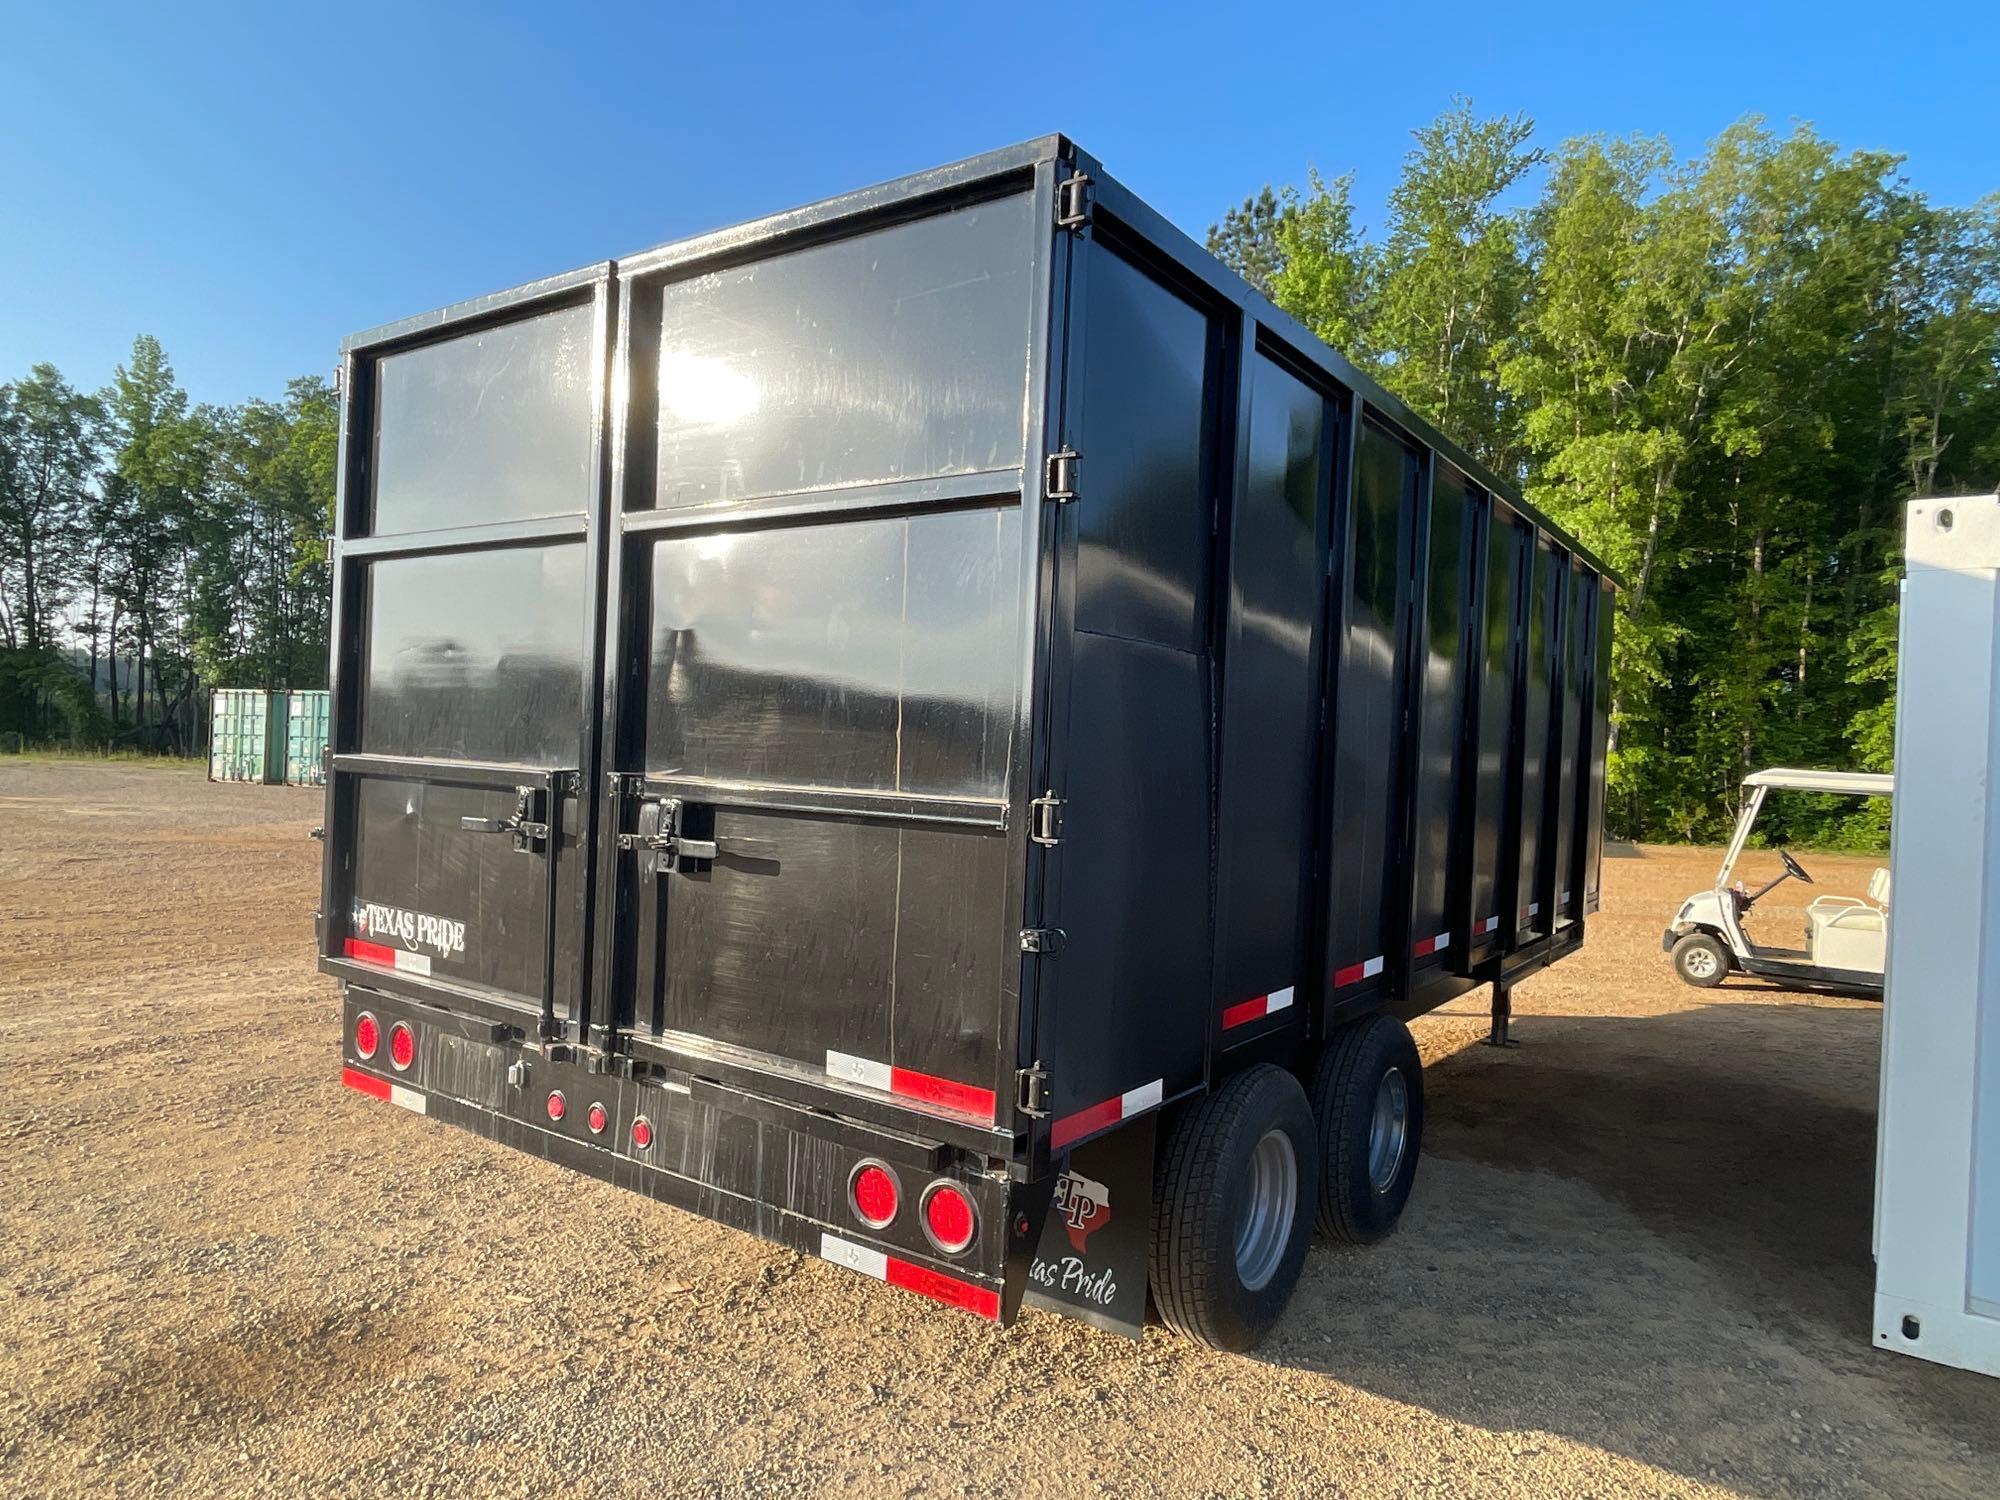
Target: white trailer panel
(1937, 1175)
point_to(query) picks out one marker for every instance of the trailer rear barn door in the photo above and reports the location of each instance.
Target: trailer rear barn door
(464, 669)
(817, 679)
(1370, 728)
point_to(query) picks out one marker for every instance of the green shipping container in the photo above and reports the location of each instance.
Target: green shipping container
(305, 739)
(246, 736)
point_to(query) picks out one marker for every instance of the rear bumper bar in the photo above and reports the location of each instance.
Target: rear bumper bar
(764, 1166)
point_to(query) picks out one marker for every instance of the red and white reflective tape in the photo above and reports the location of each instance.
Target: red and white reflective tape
(1532, 909)
(911, 1278)
(1087, 1121)
(1355, 973)
(907, 1083)
(388, 958)
(1491, 924)
(1430, 945)
(381, 1088)
(1246, 1011)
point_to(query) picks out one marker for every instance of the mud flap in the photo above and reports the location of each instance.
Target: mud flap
(1091, 1261)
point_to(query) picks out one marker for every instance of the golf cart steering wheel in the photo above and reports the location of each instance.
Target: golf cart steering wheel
(1793, 867)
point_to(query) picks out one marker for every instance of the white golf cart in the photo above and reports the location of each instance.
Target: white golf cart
(1847, 937)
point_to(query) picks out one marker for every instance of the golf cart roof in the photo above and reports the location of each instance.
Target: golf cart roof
(1853, 783)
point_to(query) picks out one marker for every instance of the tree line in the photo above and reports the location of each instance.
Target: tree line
(152, 548)
(1725, 375)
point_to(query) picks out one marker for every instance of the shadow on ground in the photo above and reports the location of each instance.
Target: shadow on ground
(1623, 1199)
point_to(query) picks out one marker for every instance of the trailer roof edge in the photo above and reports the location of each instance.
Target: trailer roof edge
(968, 174)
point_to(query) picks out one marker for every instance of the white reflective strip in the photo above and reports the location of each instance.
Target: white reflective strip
(1144, 1097)
(1443, 942)
(409, 1098)
(1278, 1000)
(861, 1070)
(1489, 924)
(1564, 898)
(412, 963)
(855, 1257)
(676, 1088)
(1534, 908)
(1370, 969)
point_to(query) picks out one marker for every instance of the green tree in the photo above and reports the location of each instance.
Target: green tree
(1454, 278)
(1247, 238)
(49, 451)
(1326, 270)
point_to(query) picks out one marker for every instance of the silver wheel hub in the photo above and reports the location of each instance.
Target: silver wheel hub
(1388, 1130)
(1699, 962)
(1270, 1205)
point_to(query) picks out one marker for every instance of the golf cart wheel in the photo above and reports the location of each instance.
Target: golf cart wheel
(1232, 1188)
(1368, 1101)
(1701, 960)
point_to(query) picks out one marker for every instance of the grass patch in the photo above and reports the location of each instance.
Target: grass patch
(38, 755)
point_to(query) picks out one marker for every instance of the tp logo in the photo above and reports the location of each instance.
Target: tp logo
(1085, 1207)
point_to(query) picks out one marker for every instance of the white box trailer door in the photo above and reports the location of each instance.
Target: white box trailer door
(1937, 1179)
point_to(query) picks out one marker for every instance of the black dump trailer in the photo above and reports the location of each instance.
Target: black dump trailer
(942, 730)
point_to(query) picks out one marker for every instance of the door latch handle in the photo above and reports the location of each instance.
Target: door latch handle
(663, 838)
(526, 831)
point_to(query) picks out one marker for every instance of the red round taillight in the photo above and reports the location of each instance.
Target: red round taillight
(596, 1119)
(402, 1046)
(558, 1106)
(875, 1194)
(367, 1036)
(949, 1218)
(642, 1132)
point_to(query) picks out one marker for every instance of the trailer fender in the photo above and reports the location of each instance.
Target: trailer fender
(1090, 1260)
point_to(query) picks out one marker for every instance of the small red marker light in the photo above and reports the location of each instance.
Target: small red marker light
(596, 1119)
(642, 1132)
(402, 1046)
(949, 1219)
(874, 1193)
(367, 1036)
(558, 1106)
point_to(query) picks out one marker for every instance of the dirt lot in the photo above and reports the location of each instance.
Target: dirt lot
(1636, 1262)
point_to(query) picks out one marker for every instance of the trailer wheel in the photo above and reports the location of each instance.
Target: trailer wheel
(1368, 1098)
(1230, 1222)
(1700, 960)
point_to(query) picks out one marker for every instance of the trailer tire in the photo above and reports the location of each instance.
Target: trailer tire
(1368, 1099)
(1232, 1185)
(1701, 960)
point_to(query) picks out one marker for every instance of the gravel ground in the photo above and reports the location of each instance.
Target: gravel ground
(1636, 1261)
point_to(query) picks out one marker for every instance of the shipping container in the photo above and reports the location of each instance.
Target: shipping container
(305, 738)
(943, 730)
(246, 736)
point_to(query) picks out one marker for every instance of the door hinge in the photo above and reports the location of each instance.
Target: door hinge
(1073, 202)
(1043, 940)
(1045, 817)
(1059, 476)
(1032, 1097)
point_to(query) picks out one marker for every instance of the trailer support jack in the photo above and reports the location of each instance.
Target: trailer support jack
(1503, 1015)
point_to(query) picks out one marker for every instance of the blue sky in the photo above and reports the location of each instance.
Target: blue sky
(251, 183)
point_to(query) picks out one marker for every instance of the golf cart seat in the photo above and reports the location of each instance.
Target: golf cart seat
(1846, 932)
